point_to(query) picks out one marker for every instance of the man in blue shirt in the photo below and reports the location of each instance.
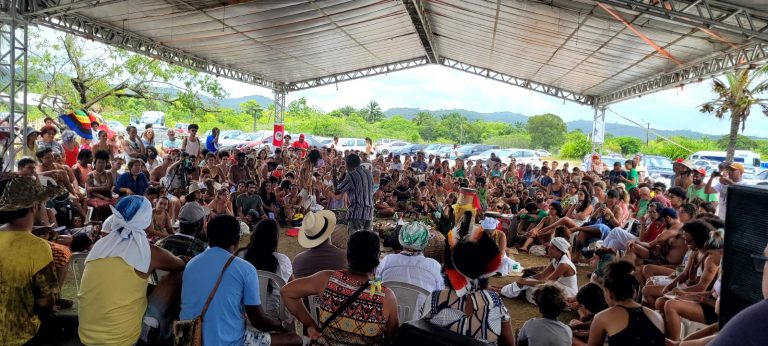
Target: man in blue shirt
(212, 142)
(236, 296)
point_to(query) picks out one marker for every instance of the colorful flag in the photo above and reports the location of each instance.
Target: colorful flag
(80, 122)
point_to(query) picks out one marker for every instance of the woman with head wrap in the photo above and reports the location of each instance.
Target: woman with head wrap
(114, 285)
(508, 265)
(465, 306)
(561, 272)
(410, 265)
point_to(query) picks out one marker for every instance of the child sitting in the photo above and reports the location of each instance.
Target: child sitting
(547, 330)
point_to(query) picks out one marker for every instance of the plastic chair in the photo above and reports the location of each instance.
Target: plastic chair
(314, 303)
(407, 299)
(88, 216)
(77, 265)
(277, 283)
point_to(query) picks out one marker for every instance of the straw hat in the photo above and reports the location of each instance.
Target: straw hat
(316, 228)
(24, 192)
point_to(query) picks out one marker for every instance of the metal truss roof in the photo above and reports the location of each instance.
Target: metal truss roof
(586, 51)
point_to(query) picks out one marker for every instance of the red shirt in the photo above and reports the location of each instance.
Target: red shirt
(303, 145)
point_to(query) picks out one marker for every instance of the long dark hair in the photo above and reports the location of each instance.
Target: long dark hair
(262, 246)
(587, 200)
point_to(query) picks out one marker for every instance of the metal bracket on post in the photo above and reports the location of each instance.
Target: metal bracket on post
(280, 93)
(598, 129)
(13, 85)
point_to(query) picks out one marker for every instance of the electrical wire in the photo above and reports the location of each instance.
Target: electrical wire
(649, 129)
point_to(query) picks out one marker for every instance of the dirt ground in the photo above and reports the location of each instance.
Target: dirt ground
(519, 310)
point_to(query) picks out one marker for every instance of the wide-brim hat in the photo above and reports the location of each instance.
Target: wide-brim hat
(194, 187)
(316, 228)
(24, 192)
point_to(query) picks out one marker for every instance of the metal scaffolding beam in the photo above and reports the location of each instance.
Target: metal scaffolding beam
(709, 14)
(357, 74)
(420, 21)
(520, 82)
(13, 86)
(117, 37)
(743, 57)
(279, 95)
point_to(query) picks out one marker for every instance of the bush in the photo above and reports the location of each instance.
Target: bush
(516, 140)
(576, 145)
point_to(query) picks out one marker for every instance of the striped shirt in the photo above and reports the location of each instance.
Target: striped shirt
(358, 184)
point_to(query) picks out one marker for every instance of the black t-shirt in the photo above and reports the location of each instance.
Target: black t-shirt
(402, 193)
(613, 176)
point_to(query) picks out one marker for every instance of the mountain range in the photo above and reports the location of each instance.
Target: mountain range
(507, 117)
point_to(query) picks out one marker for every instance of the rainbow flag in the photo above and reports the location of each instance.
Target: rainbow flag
(80, 122)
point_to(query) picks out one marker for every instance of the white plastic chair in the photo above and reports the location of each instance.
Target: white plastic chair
(314, 303)
(407, 299)
(277, 283)
(77, 265)
(88, 216)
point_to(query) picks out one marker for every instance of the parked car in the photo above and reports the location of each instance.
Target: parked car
(658, 167)
(524, 156)
(543, 152)
(433, 149)
(352, 144)
(410, 149)
(607, 160)
(750, 178)
(116, 126)
(468, 150)
(228, 143)
(388, 147)
(181, 129)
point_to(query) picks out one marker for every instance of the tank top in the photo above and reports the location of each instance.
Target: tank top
(70, 155)
(362, 323)
(640, 331)
(113, 299)
(193, 148)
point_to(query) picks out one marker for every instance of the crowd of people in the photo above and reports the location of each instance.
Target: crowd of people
(161, 226)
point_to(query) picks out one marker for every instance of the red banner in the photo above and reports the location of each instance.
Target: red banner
(279, 131)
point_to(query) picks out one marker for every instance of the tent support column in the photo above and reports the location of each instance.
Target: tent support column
(13, 85)
(598, 129)
(280, 94)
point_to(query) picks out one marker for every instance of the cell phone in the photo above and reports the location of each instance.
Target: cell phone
(716, 174)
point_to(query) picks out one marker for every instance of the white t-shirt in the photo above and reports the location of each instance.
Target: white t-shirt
(722, 198)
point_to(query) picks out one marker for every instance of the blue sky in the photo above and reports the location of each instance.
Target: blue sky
(437, 87)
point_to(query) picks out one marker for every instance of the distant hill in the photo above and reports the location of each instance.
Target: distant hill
(507, 117)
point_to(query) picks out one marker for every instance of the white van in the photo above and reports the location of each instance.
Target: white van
(351, 144)
(748, 158)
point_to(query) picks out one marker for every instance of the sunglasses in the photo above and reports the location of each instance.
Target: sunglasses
(758, 261)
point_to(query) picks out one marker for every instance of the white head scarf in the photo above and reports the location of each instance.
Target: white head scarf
(126, 238)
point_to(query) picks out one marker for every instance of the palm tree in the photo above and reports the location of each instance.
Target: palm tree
(422, 118)
(736, 96)
(373, 112)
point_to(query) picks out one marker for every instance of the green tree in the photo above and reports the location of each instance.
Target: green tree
(299, 108)
(252, 108)
(576, 145)
(547, 131)
(423, 118)
(372, 112)
(68, 75)
(735, 97)
(742, 142)
(627, 145)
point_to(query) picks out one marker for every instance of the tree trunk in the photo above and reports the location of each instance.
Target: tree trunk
(735, 123)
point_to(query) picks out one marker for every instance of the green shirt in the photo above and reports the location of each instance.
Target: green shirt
(459, 173)
(632, 175)
(534, 218)
(693, 192)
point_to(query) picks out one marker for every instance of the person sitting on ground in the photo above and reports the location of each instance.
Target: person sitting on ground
(578, 214)
(98, 186)
(320, 254)
(625, 323)
(29, 282)
(561, 271)
(410, 265)
(262, 253)
(113, 290)
(376, 327)
(589, 301)
(161, 221)
(546, 330)
(236, 297)
(535, 235)
(666, 249)
(490, 226)
(466, 306)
